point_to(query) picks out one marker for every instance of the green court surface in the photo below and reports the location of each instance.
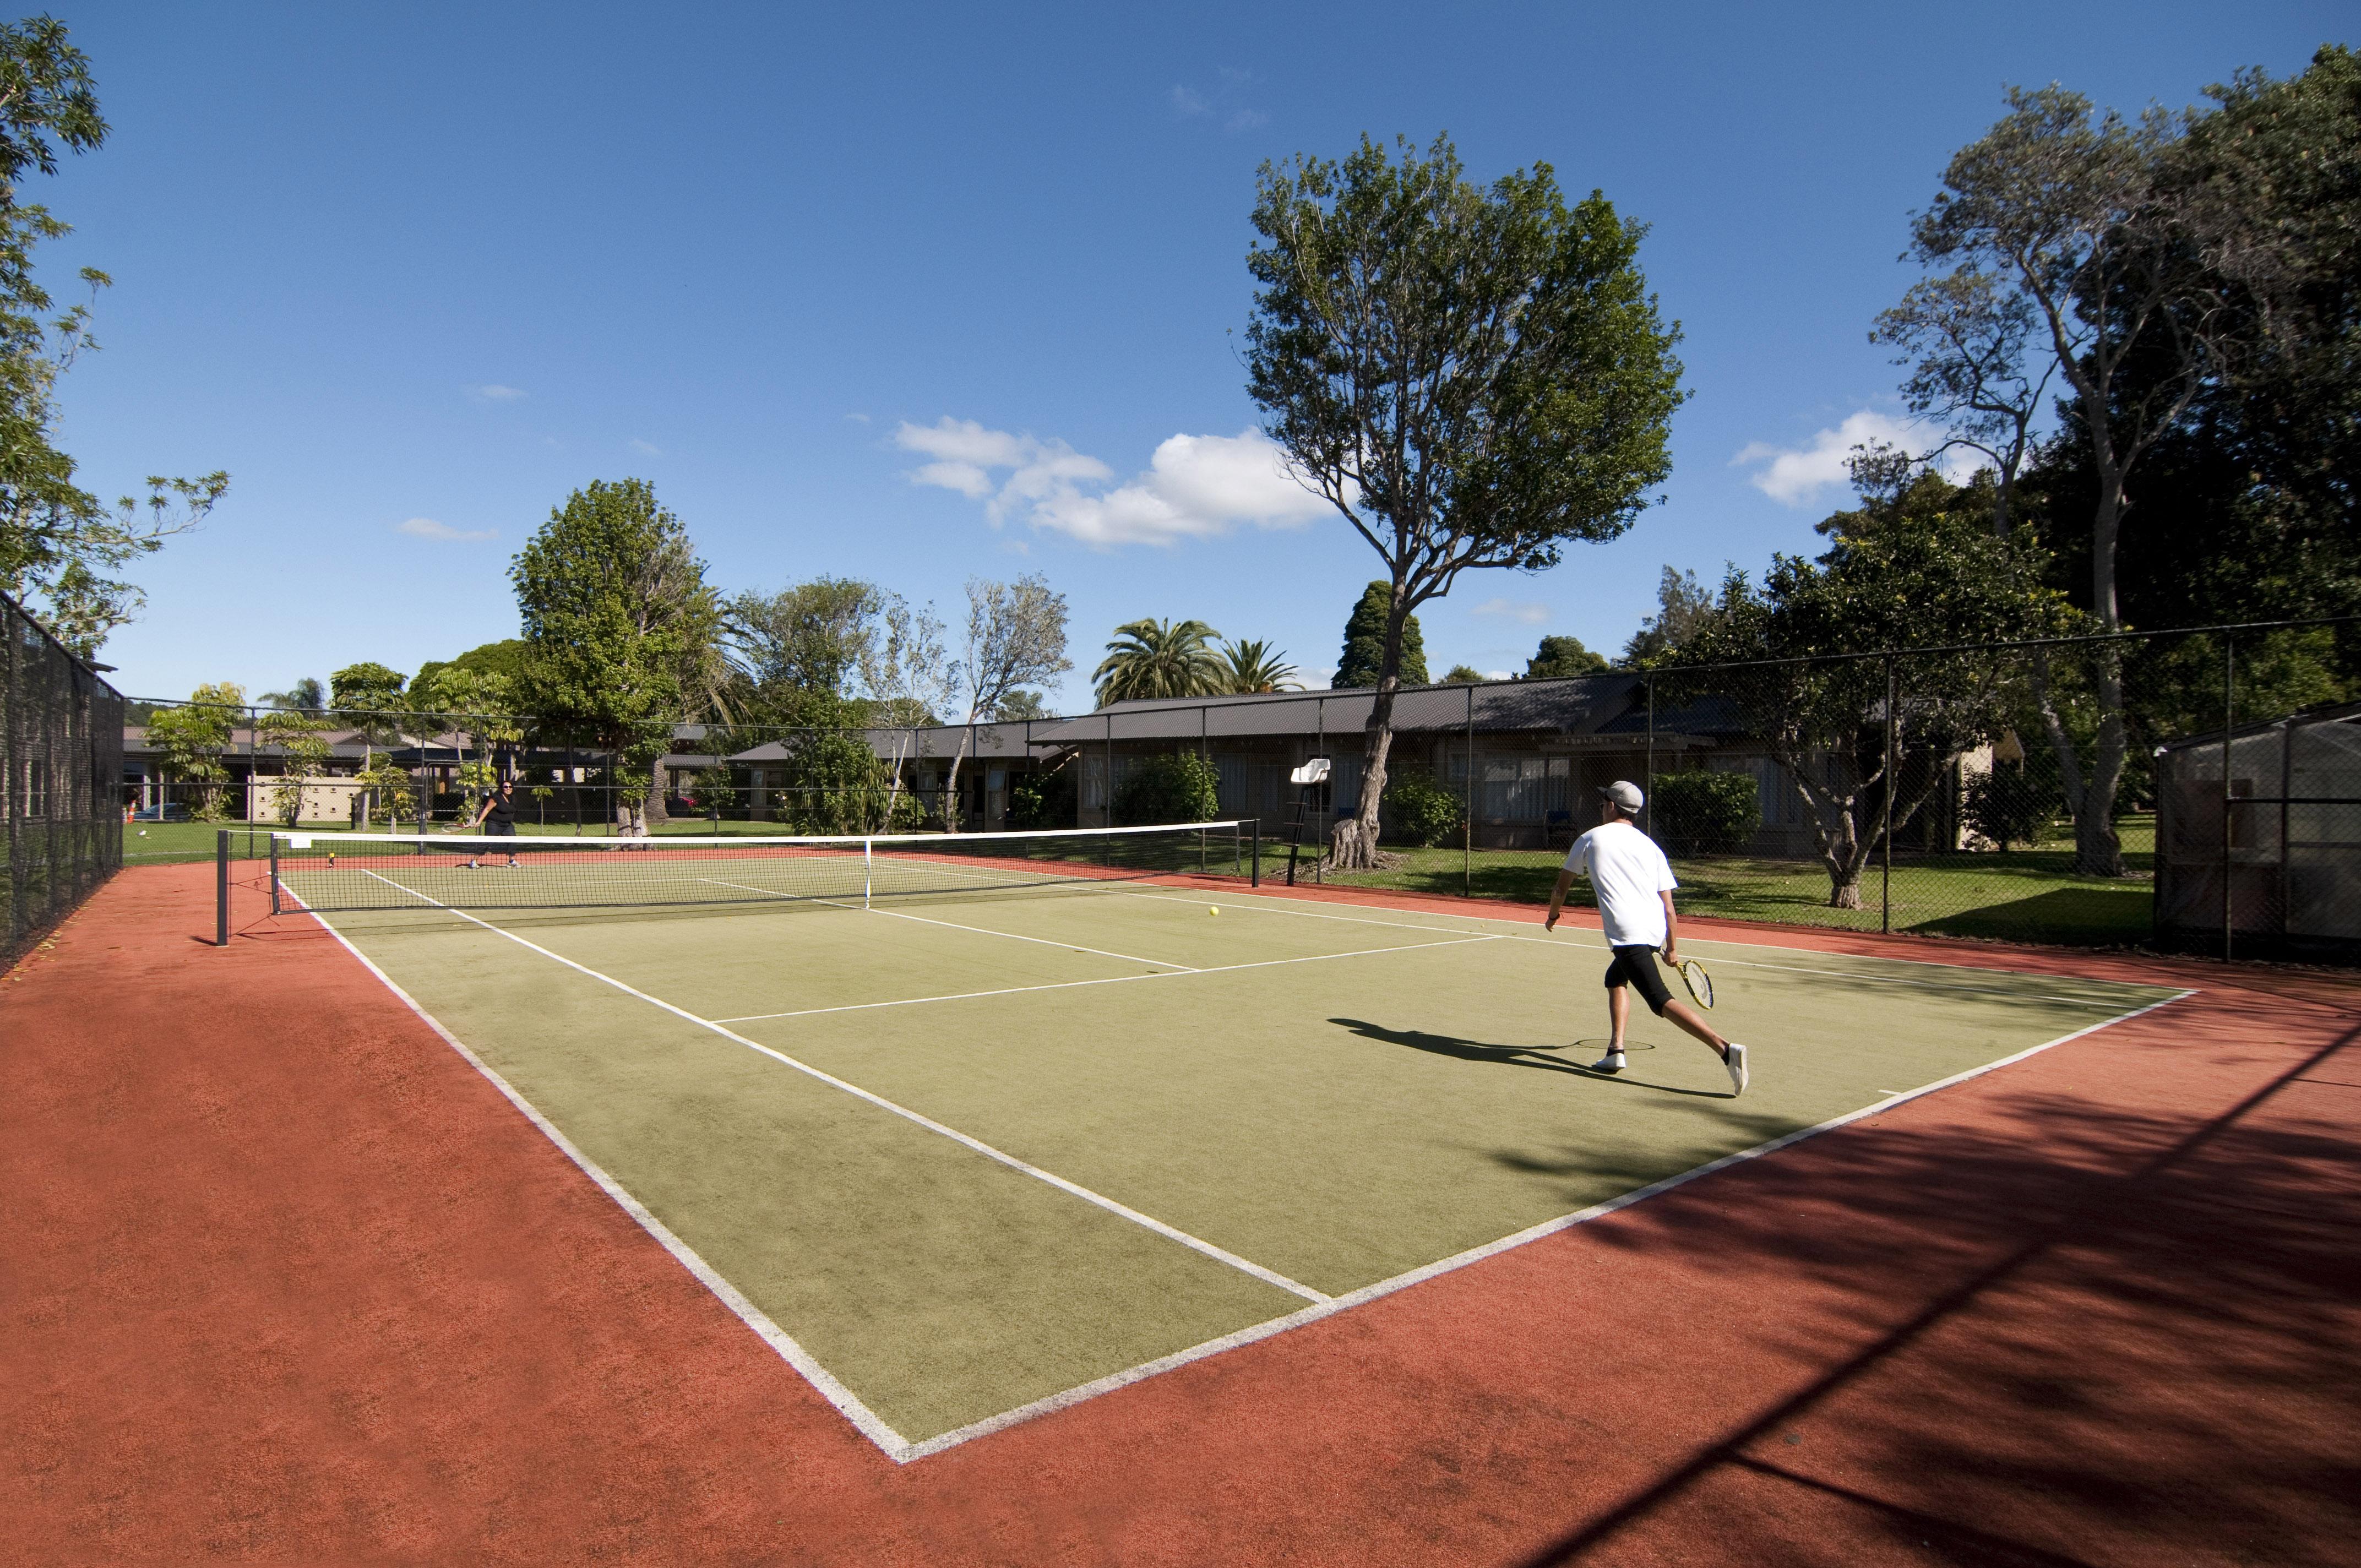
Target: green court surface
(967, 1153)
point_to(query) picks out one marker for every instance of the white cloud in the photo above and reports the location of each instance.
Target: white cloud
(1188, 103)
(650, 447)
(498, 394)
(1225, 102)
(1511, 610)
(1195, 485)
(1795, 475)
(427, 527)
(1499, 675)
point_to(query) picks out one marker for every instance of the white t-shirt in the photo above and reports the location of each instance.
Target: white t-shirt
(1627, 871)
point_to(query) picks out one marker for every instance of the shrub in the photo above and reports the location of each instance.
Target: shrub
(2007, 806)
(1182, 788)
(1416, 810)
(1705, 813)
(1041, 800)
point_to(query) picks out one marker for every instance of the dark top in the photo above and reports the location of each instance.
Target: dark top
(502, 813)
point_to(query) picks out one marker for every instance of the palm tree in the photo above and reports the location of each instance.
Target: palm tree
(1257, 667)
(1161, 658)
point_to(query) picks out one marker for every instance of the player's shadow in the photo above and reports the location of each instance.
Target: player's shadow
(1512, 1055)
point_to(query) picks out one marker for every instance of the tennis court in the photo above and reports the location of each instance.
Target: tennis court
(971, 1132)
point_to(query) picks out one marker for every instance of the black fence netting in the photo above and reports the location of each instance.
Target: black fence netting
(2193, 789)
(60, 758)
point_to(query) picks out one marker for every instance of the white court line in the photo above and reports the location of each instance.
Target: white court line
(1267, 903)
(1312, 1314)
(1108, 979)
(947, 925)
(904, 1452)
(868, 1422)
(1172, 1233)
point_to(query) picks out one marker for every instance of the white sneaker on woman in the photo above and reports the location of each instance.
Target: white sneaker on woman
(1611, 1062)
(1734, 1060)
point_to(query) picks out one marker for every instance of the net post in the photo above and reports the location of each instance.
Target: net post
(221, 889)
(868, 869)
(274, 875)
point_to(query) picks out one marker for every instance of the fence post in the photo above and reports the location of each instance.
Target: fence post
(2229, 721)
(221, 889)
(1320, 748)
(1467, 819)
(1885, 832)
(1648, 797)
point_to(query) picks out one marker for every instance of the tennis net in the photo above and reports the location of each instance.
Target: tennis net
(384, 870)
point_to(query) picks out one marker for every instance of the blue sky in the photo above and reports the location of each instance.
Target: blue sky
(831, 278)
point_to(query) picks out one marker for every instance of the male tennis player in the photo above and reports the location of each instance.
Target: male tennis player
(496, 817)
(1634, 884)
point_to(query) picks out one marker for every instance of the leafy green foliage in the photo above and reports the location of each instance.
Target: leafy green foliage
(809, 638)
(1042, 800)
(621, 631)
(1256, 667)
(1363, 659)
(1159, 658)
(1562, 656)
(1473, 377)
(193, 739)
(1683, 608)
(304, 754)
(2007, 805)
(1702, 813)
(1019, 705)
(1180, 787)
(1462, 675)
(1417, 810)
(1917, 566)
(58, 541)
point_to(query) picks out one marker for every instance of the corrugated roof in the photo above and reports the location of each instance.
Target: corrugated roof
(1580, 705)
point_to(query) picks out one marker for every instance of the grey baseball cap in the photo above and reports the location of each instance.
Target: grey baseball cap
(1624, 792)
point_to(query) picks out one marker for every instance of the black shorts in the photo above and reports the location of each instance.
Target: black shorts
(500, 829)
(1635, 966)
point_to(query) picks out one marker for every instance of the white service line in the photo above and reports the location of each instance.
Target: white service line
(1106, 979)
(1172, 1233)
(1265, 903)
(950, 925)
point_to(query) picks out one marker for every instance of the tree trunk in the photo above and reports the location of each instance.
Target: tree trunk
(658, 785)
(952, 814)
(1354, 845)
(2097, 852)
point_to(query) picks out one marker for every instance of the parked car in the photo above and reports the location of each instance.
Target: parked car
(170, 811)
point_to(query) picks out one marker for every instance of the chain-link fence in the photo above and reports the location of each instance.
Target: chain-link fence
(60, 754)
(2053, 791)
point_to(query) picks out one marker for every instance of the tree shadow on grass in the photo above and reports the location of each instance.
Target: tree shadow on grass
(1512, 1055)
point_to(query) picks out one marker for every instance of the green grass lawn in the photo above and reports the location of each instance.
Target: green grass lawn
(2018, 894)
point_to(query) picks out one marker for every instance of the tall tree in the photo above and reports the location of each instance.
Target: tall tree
(1257, 667)
(905, 672)
(1683, 608)
(802, 648)
(370, 698)
(622, 632)
(1015, 637)
(1363, 661)
(191, 740)
(1471, 377)
(2072, 216)
(1916, 565)
(1561, 657)
(1159, 658)
(60, 545)
(304, 696)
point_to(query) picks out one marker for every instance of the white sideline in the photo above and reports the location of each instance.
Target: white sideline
(1108, 979)
(865, 1421)
(902, 1450)
(1329, 1307)
(1172, 1233)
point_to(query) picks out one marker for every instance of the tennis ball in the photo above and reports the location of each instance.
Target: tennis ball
(1213, 909)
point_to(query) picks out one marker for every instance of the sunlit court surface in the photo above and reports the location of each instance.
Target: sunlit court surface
(968, 1136)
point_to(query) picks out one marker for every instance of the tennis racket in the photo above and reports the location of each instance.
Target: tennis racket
(1700, 983)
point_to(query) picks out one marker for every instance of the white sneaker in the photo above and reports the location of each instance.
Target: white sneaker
(1611, 1062)
(1736, 1063)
